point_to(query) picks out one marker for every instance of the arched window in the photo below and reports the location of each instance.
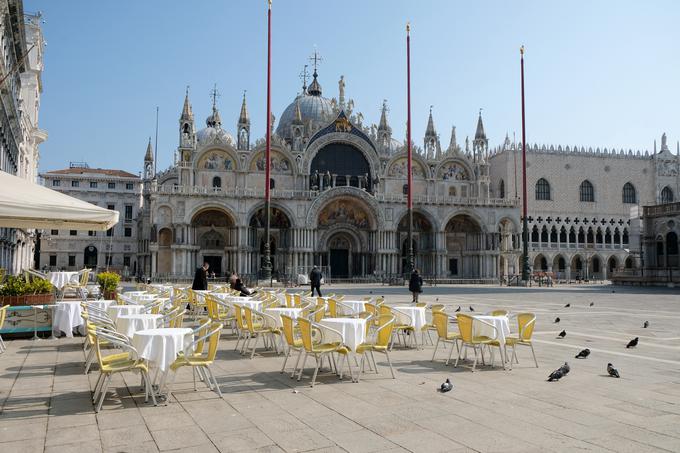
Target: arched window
(217, 182)
(625, 236)
(534, 234)
(671, 243)
(553, 235)
(666, 195)
(542, 189)
(598, 236)
(586, 191)
(544, 234)
(629, 195)
(572, 236)
(452, 191)
(563, 235)
(272, 183)
(617, 236)
(501, 189)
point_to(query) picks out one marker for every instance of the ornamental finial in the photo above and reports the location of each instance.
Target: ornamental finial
(408, 27)
(521, 50)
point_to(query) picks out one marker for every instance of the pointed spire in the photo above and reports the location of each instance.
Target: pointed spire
(479, 134)
(148, 157)
(383, 125)
(244, 118)
(429, 131)
(453, 146)
(187, 113)
(314, 87)
(214, 120)
(298, 112)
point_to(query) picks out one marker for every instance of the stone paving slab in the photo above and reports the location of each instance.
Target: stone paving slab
(45, 399)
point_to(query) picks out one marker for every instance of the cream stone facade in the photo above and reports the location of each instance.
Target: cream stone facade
(580, 202)
(20, 135)
(338, 198)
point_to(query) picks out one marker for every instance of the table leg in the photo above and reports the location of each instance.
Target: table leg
(35, 324)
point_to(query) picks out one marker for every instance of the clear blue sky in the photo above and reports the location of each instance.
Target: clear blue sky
(599, 73)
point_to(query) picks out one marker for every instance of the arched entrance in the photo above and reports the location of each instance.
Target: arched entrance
(577, 268)
(596, 268)
(423, 243)
(540, 264)
(611, 265)
(215, 235)
(90, 257)
(340, 164)
(344, 226)
(559, 264)
(465, 246)
(280, 239)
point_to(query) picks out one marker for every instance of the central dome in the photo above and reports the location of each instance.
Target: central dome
(315, 111)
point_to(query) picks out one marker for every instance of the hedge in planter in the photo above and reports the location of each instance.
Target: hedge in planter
(108, 283)
(16, 291)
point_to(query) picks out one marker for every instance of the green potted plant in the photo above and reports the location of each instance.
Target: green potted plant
(108, 283)
(17, 291)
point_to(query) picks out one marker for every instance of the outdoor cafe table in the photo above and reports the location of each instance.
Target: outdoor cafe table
(102, 305)
(160, 348)
(353, 330)
(501, 324)
(129, 324)
(66, 317)
(417, 315)
(357, 306)
(61, 279)
(278, 311)
(115, 310)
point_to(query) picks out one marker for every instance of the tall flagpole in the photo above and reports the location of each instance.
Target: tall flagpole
(267, 263)
(410, 263)
(525, 224)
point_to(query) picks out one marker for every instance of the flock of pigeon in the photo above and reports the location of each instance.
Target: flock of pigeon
(564, 369)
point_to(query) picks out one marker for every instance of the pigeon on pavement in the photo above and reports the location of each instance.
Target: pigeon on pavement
(567, 306)
(559, 373)
(632, 343)
(613, 372)
(562, 334)
(458, 309)
(592, 303)
(471, 309)
(446, 386)
(645, 325)
(557, 320)
(583, 354)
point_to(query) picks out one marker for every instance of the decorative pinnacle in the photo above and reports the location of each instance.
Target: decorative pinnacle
(521, 50)
(270, 4)
(408, 28)
(315, 59)
(303, 77)
(214, 94)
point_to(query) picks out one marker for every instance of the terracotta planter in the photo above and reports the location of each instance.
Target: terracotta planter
(110, 295)
(27, 299)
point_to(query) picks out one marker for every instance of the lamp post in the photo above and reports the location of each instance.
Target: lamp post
(409, 181)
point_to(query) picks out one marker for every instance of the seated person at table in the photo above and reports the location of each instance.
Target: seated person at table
(236, 284)
(201, 278)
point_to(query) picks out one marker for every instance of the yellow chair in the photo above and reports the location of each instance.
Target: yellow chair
(526, 323)
(293, 341)
(332, 308)
(318, 350)
(440, 320)
(219, 311)
(380, 343)
(429, 324)
(108, 367)
(404, 324)
(194, 357)
(468, 339)
(256, 329)
(3, 315)
(499, 313)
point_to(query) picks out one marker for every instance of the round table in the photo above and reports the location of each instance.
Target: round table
(501, 324)
(278, 311)
(357, 306)
(161, 346)
(248, 303)
(61, 279)
(416, 314)
(66, 317)
(115, 310)
(102, 305)
(129, 324)
(353, 330)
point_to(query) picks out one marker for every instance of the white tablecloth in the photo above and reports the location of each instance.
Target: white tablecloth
(115, 310)
(357, 306)
(249, 303)
(417, 315)
(129, 324)
(161, 346)
(61, 279)
(500, 322)
(66, 317)
(102, 305)
(353, 330)
(231, 298)
(277, 312)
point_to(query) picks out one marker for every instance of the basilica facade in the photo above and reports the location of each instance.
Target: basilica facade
(338, 198)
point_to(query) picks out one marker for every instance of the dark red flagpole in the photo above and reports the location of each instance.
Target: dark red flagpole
(410, 263)
(525, 224)
(266, 264)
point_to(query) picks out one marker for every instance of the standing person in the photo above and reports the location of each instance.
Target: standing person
(415, 285)
(201, 278)
(315, 280)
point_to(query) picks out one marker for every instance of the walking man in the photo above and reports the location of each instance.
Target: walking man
(315, 280)
(415, 285)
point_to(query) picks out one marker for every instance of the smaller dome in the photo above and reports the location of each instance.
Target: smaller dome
(214, 134)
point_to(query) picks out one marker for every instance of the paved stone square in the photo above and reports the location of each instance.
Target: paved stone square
(45, 397)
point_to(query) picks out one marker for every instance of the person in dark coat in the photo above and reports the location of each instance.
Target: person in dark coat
(315, 280)
(236, 284)
(415, 285)
(201, 278)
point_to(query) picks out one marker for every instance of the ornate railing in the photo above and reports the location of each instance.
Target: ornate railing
(661, 210)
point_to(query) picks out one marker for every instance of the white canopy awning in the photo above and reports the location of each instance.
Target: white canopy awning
(24, 204)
